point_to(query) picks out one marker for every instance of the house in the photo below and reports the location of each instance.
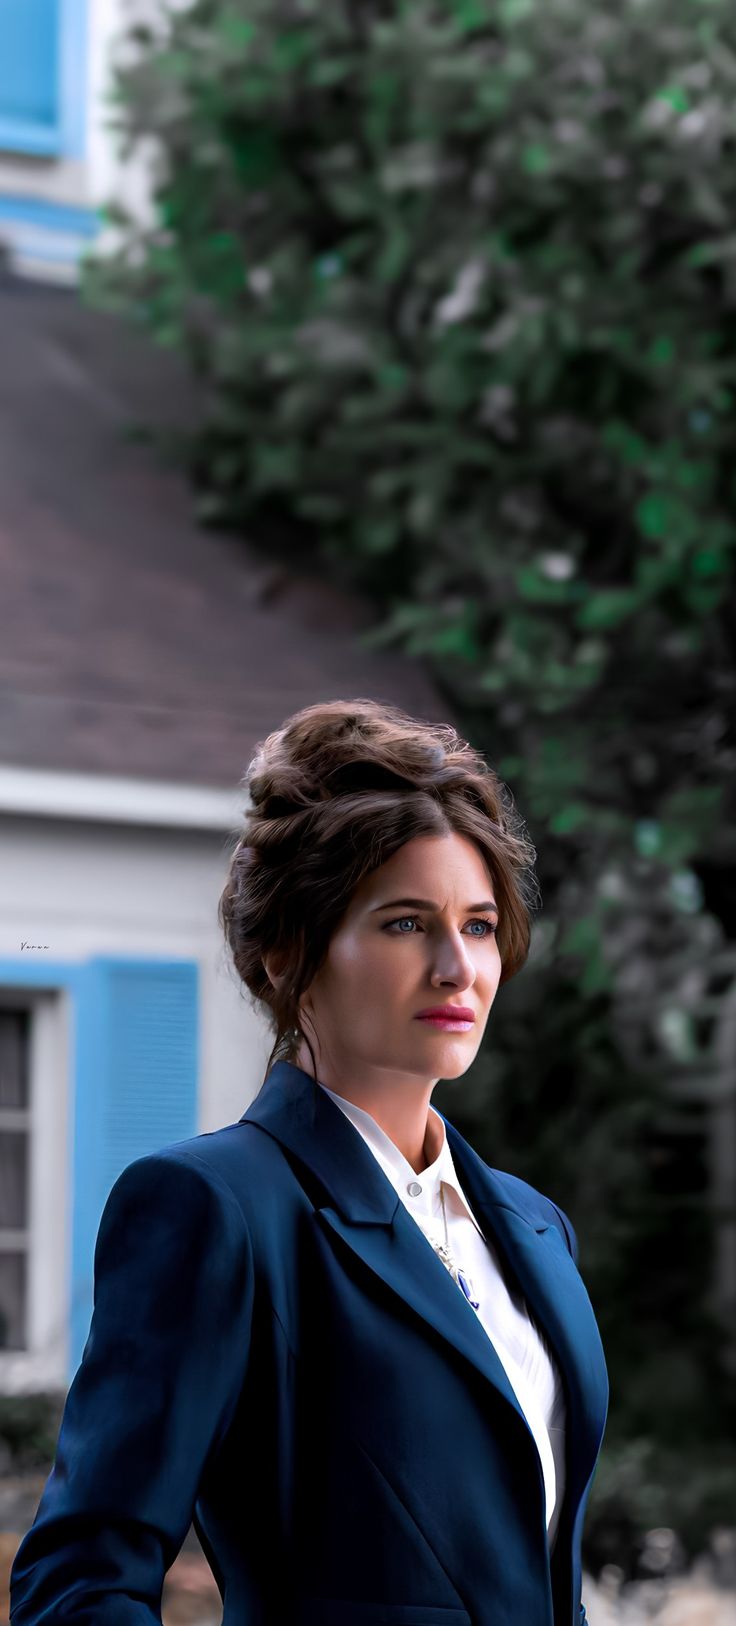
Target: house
(58, 160)
(141, 660)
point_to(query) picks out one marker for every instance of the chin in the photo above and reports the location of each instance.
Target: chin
(453, 1061)
(448, 1070)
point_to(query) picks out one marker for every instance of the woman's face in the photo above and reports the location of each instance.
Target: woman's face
(391, 958)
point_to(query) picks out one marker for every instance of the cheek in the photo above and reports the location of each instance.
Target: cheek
(351, 965)
(360, 966)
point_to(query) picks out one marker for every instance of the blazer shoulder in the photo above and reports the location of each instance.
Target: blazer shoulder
(244, 1167)
(175, 1175)
(536, 1207)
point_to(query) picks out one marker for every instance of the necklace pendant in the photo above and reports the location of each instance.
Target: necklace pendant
(465, 1283)
(457, 1273)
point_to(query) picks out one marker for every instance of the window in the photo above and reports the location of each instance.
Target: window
(15, 1142)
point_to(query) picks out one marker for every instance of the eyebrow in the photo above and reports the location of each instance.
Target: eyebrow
(425, 903)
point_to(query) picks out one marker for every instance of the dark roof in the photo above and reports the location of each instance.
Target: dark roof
(134, 641)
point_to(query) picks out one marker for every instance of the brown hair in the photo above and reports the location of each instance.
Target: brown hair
(334, 793)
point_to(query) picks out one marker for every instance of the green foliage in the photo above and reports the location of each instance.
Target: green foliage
(459, 283)
(29, 1426)
(643, 1485)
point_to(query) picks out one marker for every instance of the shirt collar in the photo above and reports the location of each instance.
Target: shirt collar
(440, 1172)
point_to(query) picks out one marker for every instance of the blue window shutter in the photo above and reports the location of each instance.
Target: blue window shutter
(43, 76)
(136, 1047)
(29, 66)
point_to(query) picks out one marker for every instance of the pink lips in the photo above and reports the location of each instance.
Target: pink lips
(447, 1013)
(452, 1018)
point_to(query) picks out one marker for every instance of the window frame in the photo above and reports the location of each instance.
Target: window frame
(43, 1360)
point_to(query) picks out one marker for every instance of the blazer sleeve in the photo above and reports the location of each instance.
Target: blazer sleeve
(155, 1391)
(572, 1243)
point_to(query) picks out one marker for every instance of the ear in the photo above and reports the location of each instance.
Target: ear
(274, 966)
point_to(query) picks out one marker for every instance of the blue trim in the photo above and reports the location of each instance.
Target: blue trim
(113, 1078)
(90, 1020)
(136, 1091)
(74, 77)
(66, 134)
(19, 135)
(56, 974)
(61, 217)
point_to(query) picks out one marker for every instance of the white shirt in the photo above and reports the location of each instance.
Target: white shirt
(519, 1343)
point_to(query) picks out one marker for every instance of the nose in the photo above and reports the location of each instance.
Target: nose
(453, 963)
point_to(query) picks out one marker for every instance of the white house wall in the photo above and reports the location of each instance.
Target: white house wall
(90, 889)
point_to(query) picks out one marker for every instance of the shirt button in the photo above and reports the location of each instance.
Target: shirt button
(414, 1188)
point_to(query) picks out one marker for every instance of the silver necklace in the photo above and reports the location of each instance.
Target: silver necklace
(444, 1251)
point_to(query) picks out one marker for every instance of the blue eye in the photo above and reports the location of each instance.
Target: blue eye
(477, 920)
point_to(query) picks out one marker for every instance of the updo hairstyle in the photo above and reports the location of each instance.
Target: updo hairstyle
(334, 793)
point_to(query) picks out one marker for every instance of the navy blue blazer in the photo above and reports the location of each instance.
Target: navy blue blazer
(277, 1355)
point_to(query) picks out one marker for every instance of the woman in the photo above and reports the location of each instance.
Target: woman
(361, 1361)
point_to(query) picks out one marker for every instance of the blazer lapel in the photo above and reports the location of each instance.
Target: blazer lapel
(400, 1254)
(359, 1204)
(539, 1258)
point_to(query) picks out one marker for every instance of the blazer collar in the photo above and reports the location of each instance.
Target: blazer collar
(439, 1172)
(357, 1201)
(291, 1108)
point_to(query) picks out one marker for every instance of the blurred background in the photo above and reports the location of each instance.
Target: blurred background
(383, 349)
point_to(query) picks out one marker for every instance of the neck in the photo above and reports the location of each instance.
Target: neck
(415, 1129)
(419, 1149)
